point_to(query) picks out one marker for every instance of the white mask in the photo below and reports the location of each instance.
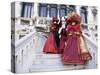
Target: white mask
(73, 23)
(54, 21)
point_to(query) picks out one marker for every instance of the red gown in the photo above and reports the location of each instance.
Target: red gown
(50, 44)
(73, 52)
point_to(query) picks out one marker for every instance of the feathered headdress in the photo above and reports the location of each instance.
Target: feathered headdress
(54, 19)
(74, 17)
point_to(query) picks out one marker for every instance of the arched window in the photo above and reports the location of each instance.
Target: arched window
(53, 10)
(84, 14)
(43, 10)
(71, 8)
(26, 9)
(62, 11)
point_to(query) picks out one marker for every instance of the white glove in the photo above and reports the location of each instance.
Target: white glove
(60, 30)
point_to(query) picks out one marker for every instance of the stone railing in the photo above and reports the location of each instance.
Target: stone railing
(43, 23)
(91, 31)
(22, 53)
(92, 47)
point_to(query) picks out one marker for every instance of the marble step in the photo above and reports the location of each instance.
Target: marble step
(41, 67)
(51, 62)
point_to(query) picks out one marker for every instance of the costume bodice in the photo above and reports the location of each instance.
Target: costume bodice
(73, 28)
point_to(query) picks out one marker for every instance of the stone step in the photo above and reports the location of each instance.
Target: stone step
(51, 62)
(47, 59)
(39, 68)
(47, 55)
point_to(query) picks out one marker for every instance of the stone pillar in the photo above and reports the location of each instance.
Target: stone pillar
(58, 8)
(90, 22)
(90, 16)
(18, 8)
(48, 6)
(94, 11)
(66, 11)
(32, 12)
(18, 11)
(36, 8)
(18, 21)
(31, 22)
(36, 12)
(78, 9)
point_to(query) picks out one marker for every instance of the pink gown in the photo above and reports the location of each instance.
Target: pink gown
(72, 53)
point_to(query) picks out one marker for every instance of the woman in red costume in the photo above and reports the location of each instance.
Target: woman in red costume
(75, 51)
(52, 43)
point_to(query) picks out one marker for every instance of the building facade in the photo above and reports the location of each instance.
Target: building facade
(29, 13)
